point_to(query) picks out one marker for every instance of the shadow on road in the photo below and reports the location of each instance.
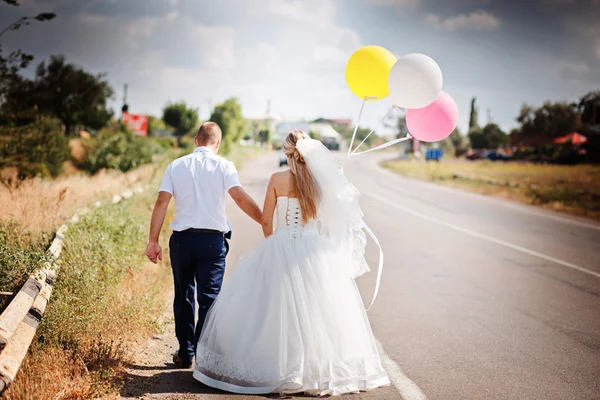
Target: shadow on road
(165, 382)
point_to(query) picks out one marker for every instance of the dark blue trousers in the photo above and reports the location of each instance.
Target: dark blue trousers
(198, 263)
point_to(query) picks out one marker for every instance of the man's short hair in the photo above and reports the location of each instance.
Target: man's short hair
(209, 133)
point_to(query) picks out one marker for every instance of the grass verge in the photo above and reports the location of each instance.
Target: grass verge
(106, 299)
(573, 189)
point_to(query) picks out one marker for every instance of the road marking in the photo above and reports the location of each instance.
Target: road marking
(407, 388)
(501, 202)
(484, 237)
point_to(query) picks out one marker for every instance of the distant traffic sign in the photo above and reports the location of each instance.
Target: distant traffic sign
(434, 154)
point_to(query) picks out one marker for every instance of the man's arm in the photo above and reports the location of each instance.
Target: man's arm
(246, 203)
(153, 250)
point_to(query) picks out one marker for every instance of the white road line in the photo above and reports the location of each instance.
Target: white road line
(484, 237)
(407, 388)
(502, 202)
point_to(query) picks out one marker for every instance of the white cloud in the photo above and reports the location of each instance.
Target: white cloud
(328, 54)
(310, 12)
(216, 44)
(473, 20)
(400, 3)
(575, 70)
(589, 31)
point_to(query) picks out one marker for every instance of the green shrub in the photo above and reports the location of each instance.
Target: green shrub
(20, 254)
(164, 143)
(36, 149)
(187, 144)
(118, 148)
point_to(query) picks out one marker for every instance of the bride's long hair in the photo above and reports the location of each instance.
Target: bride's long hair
(308, 193)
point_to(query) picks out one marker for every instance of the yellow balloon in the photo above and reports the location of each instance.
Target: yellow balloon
(368, 70)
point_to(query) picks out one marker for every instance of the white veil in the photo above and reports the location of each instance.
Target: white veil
(339, 214)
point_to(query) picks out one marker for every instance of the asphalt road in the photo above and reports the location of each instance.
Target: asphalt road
(481, 298)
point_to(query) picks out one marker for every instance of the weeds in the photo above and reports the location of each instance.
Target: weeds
(106, 298)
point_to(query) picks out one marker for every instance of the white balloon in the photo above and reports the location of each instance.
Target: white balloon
(415, 81)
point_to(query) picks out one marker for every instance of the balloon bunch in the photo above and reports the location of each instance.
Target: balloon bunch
(413, 82)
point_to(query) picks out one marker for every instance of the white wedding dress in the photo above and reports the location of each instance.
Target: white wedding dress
(290, 319)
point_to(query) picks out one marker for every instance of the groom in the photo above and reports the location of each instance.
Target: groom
(199, 183)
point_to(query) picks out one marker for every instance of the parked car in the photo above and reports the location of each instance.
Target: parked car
(474, 155)
(494, 155)
(282, 159)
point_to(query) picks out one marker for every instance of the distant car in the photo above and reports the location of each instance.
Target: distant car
(494, 155)
(283, 159)
(474, 155)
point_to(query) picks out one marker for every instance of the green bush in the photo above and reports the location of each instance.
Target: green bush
(36, 149)
(164, 143)
(118, 148)
(20, 253)
(187, 144)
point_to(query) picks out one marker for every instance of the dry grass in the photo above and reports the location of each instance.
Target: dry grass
(40, 205)
(574, 189)
(105, 302)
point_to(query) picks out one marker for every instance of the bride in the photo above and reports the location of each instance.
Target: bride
(290, 318)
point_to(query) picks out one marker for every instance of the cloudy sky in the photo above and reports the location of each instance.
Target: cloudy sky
(294, 52)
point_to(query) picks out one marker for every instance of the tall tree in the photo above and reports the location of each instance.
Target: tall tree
(13, 62)
(71, 94)
(543, 124)
(181, 117)
(490, 137)
(589, 107)
(231, 120)
(473, 116)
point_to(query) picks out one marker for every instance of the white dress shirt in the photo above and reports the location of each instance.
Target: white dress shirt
(199, 183)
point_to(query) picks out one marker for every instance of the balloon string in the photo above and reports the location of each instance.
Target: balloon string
(373, 130)
(383, 146)
(358, 121)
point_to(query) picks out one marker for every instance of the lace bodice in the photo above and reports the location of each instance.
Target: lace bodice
(289, 218)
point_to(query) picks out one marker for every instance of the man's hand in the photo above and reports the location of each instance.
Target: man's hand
(154, 252)
(246, 203)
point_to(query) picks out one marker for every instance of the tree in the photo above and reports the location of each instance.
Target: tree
(11, 63)
(541, 125)
(490, 137)
(229, 117)
(456, 138)
(71, 94)
(61, 90)
(181, 117)
(264, 136)
(455, 143)
(473, 116)
(589, 107)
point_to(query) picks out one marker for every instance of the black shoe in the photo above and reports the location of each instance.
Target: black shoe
(181, 362)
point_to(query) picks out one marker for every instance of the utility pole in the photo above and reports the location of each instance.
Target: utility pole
(489, 116)
(125, 107)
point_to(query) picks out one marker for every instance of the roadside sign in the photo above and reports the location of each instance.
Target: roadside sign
(137, 122)
(434, 154)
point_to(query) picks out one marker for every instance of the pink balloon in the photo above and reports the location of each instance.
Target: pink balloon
(434, 122)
